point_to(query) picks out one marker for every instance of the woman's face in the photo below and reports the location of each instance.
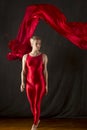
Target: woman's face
(36, 44)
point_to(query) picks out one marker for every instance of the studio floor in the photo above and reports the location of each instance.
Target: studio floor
(45, 124)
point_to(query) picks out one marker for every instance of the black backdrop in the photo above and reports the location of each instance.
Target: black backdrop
(67, 64)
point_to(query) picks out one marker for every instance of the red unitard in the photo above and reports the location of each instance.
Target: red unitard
(35, 83)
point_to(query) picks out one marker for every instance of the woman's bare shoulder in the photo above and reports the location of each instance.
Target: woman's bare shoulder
(24, 56)
(45, 56)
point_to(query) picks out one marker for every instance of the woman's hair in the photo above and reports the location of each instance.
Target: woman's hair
(36, 38)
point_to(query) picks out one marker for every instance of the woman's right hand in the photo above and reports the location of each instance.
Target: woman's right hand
(22, 87)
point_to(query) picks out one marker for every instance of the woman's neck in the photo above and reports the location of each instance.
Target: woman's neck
(35, 52)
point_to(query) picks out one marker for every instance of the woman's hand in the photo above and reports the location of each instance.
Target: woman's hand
(46, 90)
(22, 87)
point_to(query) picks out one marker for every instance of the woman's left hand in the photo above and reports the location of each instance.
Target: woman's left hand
(22, 87)
(46, 90)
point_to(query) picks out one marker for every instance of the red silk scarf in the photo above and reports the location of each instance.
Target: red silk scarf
(76, 32)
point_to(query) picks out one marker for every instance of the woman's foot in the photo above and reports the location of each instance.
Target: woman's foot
(37, 123)
(34, 127)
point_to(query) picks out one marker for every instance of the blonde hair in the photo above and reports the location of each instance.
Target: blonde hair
(35, 38)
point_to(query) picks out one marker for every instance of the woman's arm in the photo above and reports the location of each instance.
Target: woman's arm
(23, 73)
(45, 71)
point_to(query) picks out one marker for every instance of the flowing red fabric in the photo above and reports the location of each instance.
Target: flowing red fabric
(76, 32)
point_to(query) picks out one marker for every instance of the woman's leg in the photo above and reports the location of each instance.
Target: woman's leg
(30, 91)
(40, 91)
(34, 95)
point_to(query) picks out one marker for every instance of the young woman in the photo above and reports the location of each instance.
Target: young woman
(34, 77)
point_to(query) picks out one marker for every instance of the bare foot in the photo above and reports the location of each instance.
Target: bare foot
(38, 123)
(34, 127)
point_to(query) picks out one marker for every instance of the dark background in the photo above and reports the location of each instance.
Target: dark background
(67, 64)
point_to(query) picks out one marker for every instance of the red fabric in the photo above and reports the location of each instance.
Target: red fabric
(76, 32)
(35, 84)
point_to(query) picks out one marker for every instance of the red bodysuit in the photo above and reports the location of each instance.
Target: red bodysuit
(35, 83)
